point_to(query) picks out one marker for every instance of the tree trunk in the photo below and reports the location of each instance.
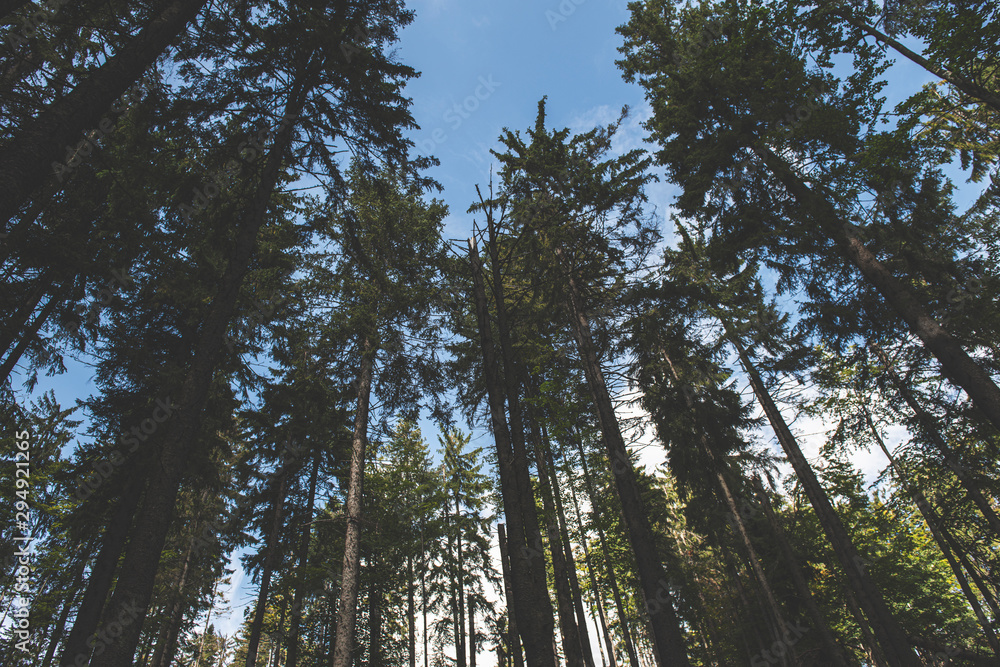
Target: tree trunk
(472, 636)
(302, 557)
(956, 364)
(567, 546)
(967, 86)
(135, 585)
(411, 614)
(60, 625)
(593, 580)
(374, 617)
(887, 630)
(513, 638)
(163, 655)
(937, 528)
(460, 586)
(353, 509)
(835, 651)
(102, 573)
(668, 639)
(928, 425)
(531, 599)
(569, 631)
(423, 594)
(267, 569)
(26, 161)
(737, 524)
(7, 367)
(633, 656)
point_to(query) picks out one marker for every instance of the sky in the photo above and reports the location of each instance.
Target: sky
(484, 67)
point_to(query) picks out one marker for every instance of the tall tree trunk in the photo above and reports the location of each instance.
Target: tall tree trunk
(930, 429)
(270, 563)
(135, 585)
(26, 161)
(887, 630)
(835, 652)
(302, 558)
(956, 363)
(633, 656)
(567, 546)
(423, 594)
(531, 599)
(668, 639)
(411, 614)
(460, 585)
(534, 553)
(102, 573)
(936, 527)
(374, 617)
(593, 579)
(737, 524)
(353, 509)
(569, 631)
(472, 635)
(13, 325)
(513, 638)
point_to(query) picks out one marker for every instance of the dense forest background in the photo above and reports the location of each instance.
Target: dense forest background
(571, 435)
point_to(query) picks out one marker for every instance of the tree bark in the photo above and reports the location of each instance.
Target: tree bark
(411, 614)
(60, 625)
(26, 161)
(668, 640)
(886, 629)
(531, 599)
(956, 364)
(375, 617)
(353, 509)
(163, 654)
(135, 585)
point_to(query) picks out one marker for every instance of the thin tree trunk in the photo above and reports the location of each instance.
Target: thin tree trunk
(531, 600)
(738, 526)
(835, 652)
(163, 655)
(956, 364)
(60, 625)
(25, 162)
(270, 563)
(936, 527)
(303, 555)
(102, 573)
(423, 594)
(13, 325)
(593, 579)
(135, 585)
(460, 584)
(967, 86)
(884, 625)
(7, 367)
(411, 614)
(472, 636)
(569, 631)
(574, 582)
(928, 425)
(374, 617)
(513, 639)
(668, 639)
(353, 509)
(633, 656)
